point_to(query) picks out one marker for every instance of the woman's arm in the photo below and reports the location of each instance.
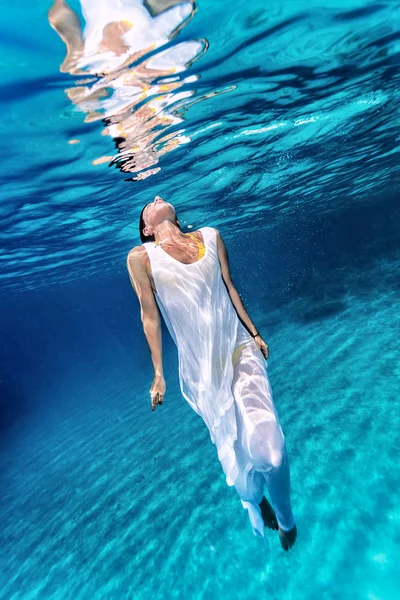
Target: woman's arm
(234, 295)
(66, 23)
(150, 318)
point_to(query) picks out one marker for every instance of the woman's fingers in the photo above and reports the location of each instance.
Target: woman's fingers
(157, 391)
(154, 401)
(265, 350)
(156, 398)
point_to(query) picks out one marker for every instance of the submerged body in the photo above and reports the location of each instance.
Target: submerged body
(222, 371)
(222, 375)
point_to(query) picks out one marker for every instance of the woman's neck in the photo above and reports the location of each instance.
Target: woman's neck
(167, 232)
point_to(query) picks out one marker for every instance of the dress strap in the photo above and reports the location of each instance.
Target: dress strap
(200, 245)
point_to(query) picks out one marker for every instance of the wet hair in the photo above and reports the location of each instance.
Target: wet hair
(147, 238)
(142, 225)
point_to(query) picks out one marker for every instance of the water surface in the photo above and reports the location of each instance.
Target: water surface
(277, 124)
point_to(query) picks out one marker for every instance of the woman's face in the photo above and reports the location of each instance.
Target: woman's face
(158, 211)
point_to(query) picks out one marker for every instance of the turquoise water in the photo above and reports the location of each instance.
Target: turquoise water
(283, 133)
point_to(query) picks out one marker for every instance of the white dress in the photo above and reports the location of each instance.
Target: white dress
(119, 95)
(223, 377)
(144, 31)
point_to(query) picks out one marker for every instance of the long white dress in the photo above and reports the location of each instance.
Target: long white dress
(223, 377)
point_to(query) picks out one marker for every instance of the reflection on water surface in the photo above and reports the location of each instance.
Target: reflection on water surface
(137, 71)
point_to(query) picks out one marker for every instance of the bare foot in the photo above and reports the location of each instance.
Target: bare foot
(268, 514)
(288, 538)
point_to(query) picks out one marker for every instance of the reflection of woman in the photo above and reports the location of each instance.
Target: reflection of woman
(221, 359)
(117, 34)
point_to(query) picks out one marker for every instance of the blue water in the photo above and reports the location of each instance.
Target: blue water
(282, 132)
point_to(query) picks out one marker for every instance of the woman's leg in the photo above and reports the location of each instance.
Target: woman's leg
(278, 484)
(261, 443)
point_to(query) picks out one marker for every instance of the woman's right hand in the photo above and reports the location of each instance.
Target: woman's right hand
(157, 391)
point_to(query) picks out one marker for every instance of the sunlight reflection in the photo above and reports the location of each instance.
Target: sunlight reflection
(134, 80)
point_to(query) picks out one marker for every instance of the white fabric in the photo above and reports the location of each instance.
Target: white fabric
(145, 32)
(129, 87)
(260, 447)
(223, 377)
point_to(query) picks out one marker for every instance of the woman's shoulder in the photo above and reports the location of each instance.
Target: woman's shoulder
(205, 234)
(137, 251)
(137, 255)
(209, 230)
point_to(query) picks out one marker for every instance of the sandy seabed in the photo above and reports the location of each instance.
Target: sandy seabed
(103, 499)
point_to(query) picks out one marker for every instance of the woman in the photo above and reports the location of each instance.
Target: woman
(221, 359)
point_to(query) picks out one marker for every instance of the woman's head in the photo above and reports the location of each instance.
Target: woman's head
(152, 215)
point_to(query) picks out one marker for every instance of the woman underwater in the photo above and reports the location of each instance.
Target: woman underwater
(222, 368)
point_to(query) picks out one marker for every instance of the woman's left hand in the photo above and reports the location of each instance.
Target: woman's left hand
(263, 346)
